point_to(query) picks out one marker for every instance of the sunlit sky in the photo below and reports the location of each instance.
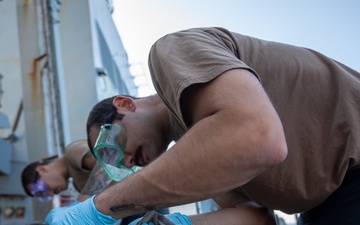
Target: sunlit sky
(328, 26)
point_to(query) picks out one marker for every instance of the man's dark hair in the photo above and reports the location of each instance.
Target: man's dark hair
(30, 175)
(103, 112)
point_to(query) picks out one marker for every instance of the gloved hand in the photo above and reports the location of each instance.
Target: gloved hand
(175, 218)
(57, 210)
(74, 203)
(84, 213)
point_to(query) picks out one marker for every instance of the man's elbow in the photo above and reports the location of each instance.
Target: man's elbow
(269, 144)
(274, 148)
(279, 154)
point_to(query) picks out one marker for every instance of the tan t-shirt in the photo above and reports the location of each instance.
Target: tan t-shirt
(74, 154)
(317, 99)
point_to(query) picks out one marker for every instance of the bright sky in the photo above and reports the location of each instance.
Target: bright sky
(331, 27)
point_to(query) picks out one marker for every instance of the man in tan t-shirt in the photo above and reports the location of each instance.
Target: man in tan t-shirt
(258, 126)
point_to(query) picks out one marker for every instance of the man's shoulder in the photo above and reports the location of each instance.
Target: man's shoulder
(77, 147)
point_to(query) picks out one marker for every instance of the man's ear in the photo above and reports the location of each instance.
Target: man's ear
(42, 169)
(124, 103)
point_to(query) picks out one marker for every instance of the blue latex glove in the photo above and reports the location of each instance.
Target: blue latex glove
(175, 218)
(84, 213)
(61, 208)
(75, 203)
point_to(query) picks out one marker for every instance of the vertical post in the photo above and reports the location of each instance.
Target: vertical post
(43, 132)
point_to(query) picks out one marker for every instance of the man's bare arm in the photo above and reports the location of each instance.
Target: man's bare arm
(241, 215)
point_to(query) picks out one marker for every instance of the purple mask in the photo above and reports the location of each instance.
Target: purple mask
(41, 191)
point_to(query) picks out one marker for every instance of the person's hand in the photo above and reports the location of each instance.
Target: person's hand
(75, 203)
(175, 218)
(57, 210)
(80, 213)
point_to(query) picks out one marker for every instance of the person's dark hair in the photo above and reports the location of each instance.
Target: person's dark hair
(30, 175)
(103, 112)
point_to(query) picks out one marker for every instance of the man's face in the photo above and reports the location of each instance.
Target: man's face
(47, 184)
(56, 181)
(143, 144)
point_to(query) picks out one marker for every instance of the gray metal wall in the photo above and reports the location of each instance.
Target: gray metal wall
(50, 55)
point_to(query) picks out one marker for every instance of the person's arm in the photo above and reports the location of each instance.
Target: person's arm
(237, 209)
(98, 181)
(241, 215)
(235, 135)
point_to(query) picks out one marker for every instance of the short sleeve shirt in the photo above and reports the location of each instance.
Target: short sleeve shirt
(74, 154)
(316, 98)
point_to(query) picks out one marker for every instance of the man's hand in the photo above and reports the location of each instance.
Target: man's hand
(84, 213)
(175, 218)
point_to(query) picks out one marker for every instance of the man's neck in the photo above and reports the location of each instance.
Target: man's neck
(62, 166)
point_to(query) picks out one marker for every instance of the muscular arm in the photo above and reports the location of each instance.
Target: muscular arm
(98, 181)
(235, 135)
(237, 209)
(241, 215)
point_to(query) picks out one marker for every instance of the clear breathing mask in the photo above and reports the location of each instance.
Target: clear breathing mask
(109, 151)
